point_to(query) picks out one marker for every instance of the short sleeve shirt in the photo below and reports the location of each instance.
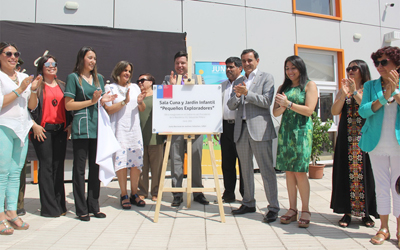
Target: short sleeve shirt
(84, 123)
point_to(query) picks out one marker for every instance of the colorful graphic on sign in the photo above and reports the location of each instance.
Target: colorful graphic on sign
(212, 72)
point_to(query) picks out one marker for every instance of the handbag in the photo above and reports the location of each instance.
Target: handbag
(397, 185)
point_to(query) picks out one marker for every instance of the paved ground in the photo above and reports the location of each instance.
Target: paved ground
(196, 228)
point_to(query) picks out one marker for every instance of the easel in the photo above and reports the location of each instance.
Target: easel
(189, 137)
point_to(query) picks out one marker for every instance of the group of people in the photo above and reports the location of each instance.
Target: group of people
(366, 170)
(365, 167)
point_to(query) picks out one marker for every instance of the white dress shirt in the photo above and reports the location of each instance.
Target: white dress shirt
(229, 114)
(248, 82)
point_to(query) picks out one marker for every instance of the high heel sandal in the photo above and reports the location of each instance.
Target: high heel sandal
(304, 223)
(376, 240)
(286, 219)
(7, 230)
(24, 225)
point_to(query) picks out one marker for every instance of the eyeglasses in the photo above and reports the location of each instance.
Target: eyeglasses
(52, 64)
(383, 62)
(141, 80)
(16, 54)
(353, 68)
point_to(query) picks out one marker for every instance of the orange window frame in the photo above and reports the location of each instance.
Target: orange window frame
(341, 69)
(338, 10)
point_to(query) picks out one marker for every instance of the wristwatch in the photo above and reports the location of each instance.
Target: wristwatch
(123, 103)
(355, 92)
(290, 105)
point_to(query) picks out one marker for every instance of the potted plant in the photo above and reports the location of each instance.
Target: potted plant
(320, 141)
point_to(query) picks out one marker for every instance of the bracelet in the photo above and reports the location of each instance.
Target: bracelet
(18, 95)
(34, 91)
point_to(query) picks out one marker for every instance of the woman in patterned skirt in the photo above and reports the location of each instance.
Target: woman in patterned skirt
(353, 187)
(295, 101)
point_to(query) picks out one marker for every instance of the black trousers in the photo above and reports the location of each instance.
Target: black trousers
(229, 156)
(85, 149)
(51, 155)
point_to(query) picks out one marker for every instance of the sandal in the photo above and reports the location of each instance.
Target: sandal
(24, 225)
(368, 222)
(304, 223)
(139, 203)
(286, 219)
(7, 230)
(376, 240)
(345, 221)
(126, 204)
(154, 198)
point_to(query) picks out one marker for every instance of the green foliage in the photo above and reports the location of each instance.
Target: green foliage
(320, 138)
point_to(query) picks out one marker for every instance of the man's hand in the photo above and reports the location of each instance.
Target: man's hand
(240, 89)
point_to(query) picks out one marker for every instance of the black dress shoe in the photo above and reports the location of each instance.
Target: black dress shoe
(243, 209)
(270, 217)
(21, 212)
(177, 201)
(84, 217)
(99, 215)
(201, 199)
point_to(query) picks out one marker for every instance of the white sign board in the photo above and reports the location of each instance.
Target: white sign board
(187, 109)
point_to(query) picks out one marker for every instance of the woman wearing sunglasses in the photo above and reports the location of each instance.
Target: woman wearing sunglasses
(84, 88)
(124, 117)
(353, 187)
(49, 137)
(17, 93)
(380, 106)
(153, 143)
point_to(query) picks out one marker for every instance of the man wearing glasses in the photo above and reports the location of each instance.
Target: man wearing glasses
(178, 144)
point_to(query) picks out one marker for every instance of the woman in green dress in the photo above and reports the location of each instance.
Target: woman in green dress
(295, 101)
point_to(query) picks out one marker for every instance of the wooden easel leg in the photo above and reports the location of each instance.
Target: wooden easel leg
(215, 173)
(162, 179)
(189, 139)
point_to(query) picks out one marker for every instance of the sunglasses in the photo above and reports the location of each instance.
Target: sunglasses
(383, 62)
(141, 80)
(353, 68)
(52, 64)
(9, 54)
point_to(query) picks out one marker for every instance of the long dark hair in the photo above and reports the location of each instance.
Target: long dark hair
(79, 65)
(39, 71)
(364, 70)
(301, 67)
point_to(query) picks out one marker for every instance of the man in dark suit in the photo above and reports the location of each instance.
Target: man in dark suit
(254, 132)
(178, 143)
(228, 146)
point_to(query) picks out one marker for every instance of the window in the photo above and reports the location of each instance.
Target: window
(331, 9)
(325, 66)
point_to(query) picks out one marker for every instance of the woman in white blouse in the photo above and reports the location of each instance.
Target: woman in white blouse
(17, 93)
(124, 117)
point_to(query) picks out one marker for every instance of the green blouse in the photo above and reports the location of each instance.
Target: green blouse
(84, 123)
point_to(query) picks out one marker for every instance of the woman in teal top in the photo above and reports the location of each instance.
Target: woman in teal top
(295, 101)
(84, 88)
(380, 106)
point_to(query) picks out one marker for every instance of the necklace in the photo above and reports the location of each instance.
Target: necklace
(122, 91)
(88, 80)
(16, 81)
(54, 102)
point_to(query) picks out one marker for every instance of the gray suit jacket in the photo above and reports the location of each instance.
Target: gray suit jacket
(258, 114)
(166, 80)
(223, 86)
